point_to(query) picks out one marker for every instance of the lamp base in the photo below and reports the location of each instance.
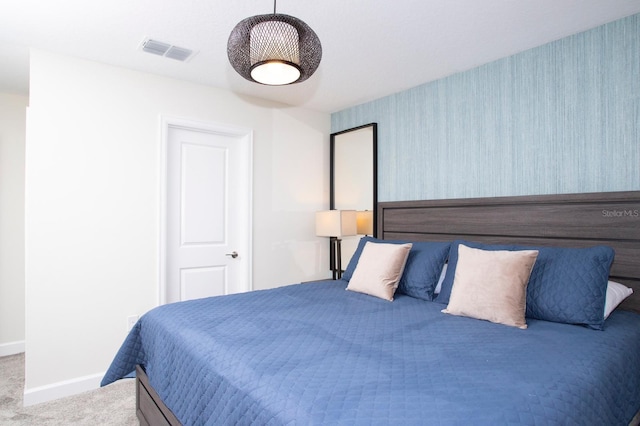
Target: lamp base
(336, 257)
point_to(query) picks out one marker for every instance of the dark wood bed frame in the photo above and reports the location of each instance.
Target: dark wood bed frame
(150, 409)
(568, 220)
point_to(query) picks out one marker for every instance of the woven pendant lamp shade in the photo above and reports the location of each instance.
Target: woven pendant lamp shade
(274, 49)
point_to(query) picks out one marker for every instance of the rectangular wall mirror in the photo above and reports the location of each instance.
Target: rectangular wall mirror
(354, 178)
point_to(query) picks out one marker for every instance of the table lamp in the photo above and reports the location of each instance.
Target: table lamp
(336, 224)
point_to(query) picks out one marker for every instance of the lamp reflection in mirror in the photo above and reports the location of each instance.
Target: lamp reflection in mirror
(336, 224)
(364, 221)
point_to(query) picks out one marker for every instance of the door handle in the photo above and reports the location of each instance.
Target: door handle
(233, 254)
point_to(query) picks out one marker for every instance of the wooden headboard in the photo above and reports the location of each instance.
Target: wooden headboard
(566, 220)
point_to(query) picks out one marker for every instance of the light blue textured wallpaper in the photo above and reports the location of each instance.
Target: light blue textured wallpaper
(560, 118)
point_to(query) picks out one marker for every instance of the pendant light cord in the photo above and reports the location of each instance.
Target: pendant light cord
(274, 7)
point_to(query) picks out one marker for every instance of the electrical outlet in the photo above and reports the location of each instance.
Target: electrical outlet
(131, 321)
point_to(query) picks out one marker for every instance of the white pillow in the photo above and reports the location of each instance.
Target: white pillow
(616, 293)
(379, 269)
(441, 279)
(491, 285)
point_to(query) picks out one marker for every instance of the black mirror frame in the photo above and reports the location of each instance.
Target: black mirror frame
(332, 206)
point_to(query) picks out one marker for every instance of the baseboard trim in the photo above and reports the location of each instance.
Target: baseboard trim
(11, 348)
(61, 389)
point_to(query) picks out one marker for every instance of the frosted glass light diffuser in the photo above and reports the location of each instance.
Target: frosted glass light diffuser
(275, 73)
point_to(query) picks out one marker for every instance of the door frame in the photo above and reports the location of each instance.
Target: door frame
(245, 137)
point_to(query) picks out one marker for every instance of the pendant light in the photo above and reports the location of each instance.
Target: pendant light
(274, 49)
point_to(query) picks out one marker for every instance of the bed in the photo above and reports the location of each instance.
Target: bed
(314, 353)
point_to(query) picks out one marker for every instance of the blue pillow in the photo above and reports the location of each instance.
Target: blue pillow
(570, 285)
(567, 285)
(421, 272)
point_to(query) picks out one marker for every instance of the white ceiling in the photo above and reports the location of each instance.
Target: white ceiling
(370, 48)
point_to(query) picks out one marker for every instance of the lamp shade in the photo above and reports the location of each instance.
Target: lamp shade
(336, 223)
(365, 222)
(274, 49)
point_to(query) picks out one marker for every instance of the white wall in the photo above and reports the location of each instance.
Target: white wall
(12, 140)
(92, 205)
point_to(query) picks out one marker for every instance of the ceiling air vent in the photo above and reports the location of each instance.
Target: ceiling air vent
(178, 53)
(165, 49)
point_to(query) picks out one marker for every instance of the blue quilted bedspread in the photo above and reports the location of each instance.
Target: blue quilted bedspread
(317, 354)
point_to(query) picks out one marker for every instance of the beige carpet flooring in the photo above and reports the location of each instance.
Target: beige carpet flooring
(111, 405)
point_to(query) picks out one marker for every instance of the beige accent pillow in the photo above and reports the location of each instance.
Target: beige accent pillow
(492, 285)
(379, 269)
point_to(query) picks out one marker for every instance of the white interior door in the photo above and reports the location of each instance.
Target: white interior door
(208, 220)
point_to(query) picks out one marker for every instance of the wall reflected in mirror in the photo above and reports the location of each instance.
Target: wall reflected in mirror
(354, 182)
